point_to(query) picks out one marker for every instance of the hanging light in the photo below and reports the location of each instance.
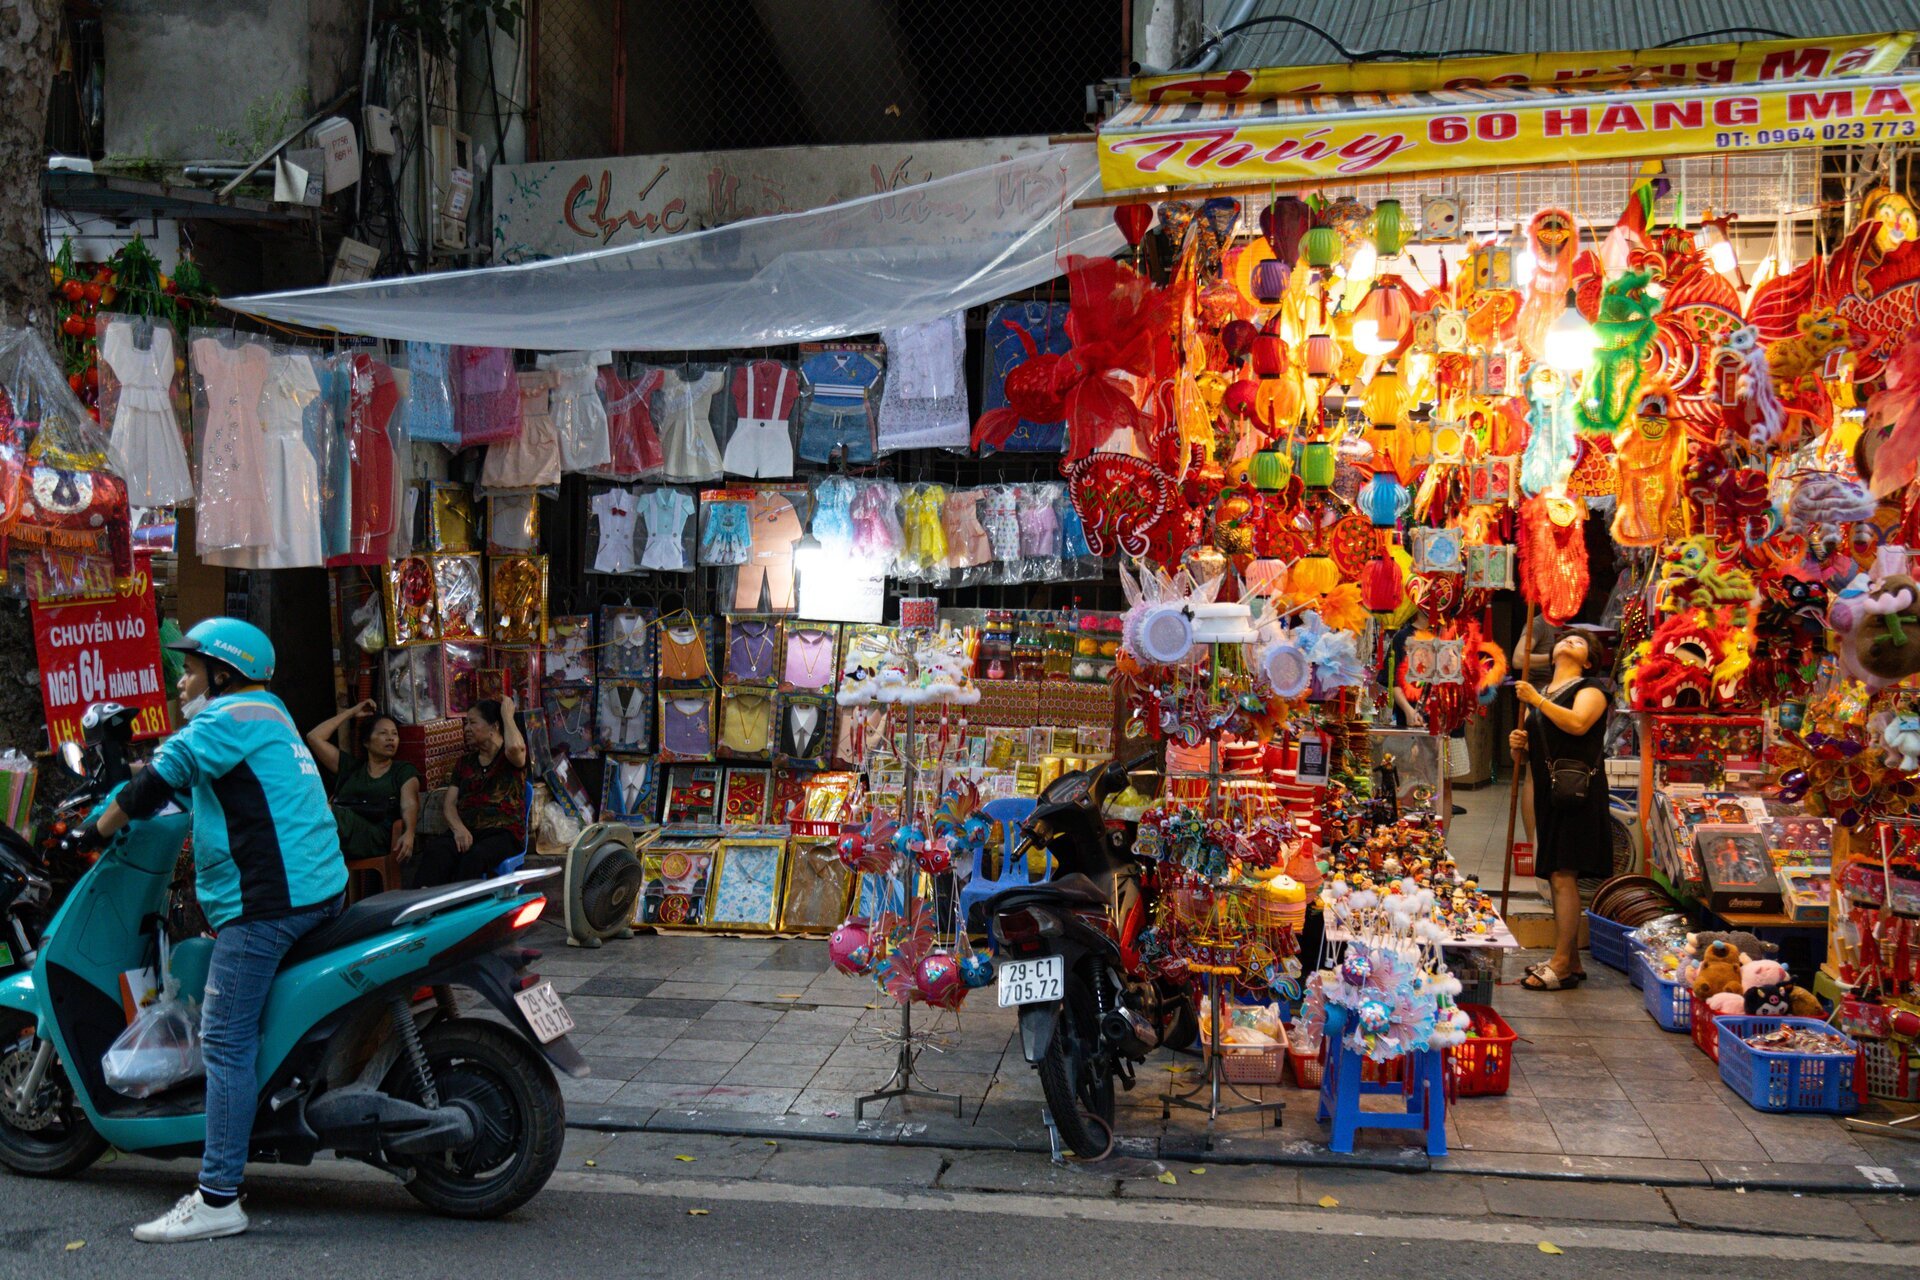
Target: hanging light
(1570, 339)
(1270, 280)
(1359, 275)
(1720, 252)
(1269, 353)
(1282, 224)
(1323, 356)
(1322, 246)
(1381, 323)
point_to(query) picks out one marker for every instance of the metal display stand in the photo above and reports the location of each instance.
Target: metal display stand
(905, 1082)
(1216, 1080)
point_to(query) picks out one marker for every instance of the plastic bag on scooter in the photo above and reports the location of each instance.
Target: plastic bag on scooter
(159, 1049)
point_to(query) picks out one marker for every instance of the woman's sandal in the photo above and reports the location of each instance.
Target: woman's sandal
(1541, 977)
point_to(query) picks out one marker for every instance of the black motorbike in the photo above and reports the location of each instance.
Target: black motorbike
(1090, 1010)
(34, 880)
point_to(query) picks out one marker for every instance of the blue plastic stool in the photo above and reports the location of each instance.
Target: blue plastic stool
(1009, 813)
(1341, 1088)
(514, 861)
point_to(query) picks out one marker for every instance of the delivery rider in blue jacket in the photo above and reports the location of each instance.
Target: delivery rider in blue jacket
(267, 868)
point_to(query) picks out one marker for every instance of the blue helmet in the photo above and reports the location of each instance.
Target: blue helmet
(240, 645)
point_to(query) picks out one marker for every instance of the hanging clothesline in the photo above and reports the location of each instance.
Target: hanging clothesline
(899, 258)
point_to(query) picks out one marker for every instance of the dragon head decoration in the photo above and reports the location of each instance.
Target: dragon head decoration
(1694, 660)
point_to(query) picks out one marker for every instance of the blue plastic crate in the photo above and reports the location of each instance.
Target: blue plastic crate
(1787, 1081)
(1608, 941)
(1670, 1003)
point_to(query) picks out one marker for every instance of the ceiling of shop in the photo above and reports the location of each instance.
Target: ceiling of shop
(1425, 28)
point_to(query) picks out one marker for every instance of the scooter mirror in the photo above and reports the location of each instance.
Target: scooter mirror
(74, 757)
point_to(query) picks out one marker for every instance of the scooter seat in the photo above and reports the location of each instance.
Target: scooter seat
(371, 915)
(1072, 890)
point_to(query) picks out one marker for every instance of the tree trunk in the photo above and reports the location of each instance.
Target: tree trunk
(28, 31)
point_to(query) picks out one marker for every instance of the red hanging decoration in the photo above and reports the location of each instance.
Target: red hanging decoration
(1282, 224)
(1133, 221)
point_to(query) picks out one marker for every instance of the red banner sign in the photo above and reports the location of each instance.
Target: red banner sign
(102, 648)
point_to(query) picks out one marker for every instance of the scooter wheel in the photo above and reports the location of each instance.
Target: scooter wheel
(60, 1141)
(520, 1120)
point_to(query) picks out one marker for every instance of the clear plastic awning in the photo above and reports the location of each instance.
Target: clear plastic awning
(900, 258)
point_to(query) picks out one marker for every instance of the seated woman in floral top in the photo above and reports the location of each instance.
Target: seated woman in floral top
(486, 804)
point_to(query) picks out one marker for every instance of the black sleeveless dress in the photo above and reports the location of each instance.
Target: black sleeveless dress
(1576, 837)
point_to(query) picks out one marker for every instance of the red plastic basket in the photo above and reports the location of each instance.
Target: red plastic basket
(1706, 1031)
(1482, 1064)
(1309, 1069)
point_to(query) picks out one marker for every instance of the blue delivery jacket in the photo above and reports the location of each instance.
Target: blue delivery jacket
(264, 839)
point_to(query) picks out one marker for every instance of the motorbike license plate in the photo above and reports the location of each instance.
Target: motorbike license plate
(1031, 981)
(544, 1010)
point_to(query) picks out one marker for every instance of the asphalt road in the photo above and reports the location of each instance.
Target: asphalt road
(585, 1225)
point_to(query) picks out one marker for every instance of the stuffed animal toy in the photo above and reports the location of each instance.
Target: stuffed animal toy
(1717, 971)
(1768, 991)
(1726, 1005)
(1745, 943)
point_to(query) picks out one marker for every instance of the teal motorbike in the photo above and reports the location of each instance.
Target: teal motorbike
(363, 1049)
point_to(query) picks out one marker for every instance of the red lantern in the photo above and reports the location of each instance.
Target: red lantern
(1269, 354)
(1237, 337)
(1323, 356)
(1133, 221)
(1282, 223)
(1241, 398)
(1383, 588)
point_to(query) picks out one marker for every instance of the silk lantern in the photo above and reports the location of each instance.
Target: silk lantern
(1389, 230)
(1313, 575)
(1323, 356)
(1269, 354)
(1383, 319)
(1237, 337)
(1270, 279)
(1133, 221)
(1283, 223)
(1322, 246)
(1270, 470)
(1383, 588)
(1317, 465)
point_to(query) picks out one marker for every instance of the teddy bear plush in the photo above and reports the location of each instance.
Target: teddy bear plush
(1717, 971)
(1725, 1004)
(1768, 991)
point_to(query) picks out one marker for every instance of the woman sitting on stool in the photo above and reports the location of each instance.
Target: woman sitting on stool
(376, 798)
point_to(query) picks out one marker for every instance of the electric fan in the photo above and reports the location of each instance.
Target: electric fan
(603, 880)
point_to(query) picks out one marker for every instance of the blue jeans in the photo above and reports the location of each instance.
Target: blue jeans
(246, 955)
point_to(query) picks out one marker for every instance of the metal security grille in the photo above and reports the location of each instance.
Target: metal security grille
(644, 76)
(573, 69)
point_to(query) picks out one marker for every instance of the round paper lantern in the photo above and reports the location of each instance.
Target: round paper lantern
(1133, 221)
(1317, 464)
(1161, 634)
(1241, 398)
(1386, 400)
(1383, 499)
(1389, 230)
(1323, 356)
(1237, 337)
(1270, 470)
(1270, 280)
(1283, 223)
(1269, 354)
(1383, 588)
(1278, 402)
(939, 982)
(977, 969)
(1322, 247)
(937, 857)
(851, 948)
(1313, 575)
(1286, 667)
(1384, 317)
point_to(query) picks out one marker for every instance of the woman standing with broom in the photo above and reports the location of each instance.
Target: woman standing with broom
(1563, 744)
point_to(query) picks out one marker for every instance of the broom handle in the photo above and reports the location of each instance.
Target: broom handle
(1513, 788)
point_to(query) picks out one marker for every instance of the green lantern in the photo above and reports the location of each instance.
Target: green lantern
(1322, 247)
(1270, 470)
(1317, 464)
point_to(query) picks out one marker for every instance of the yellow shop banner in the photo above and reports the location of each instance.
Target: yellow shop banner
(1366, 135)
(1744, 62)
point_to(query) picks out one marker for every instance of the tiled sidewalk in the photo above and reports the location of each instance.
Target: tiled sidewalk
(746, 1035)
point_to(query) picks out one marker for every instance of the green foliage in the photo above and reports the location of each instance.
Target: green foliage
(267, 120)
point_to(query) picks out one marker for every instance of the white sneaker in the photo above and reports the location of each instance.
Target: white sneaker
(193, 1219)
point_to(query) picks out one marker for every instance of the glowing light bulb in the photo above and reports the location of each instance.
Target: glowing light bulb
(1524, 265)
(1570, 340)
(1721, 258)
